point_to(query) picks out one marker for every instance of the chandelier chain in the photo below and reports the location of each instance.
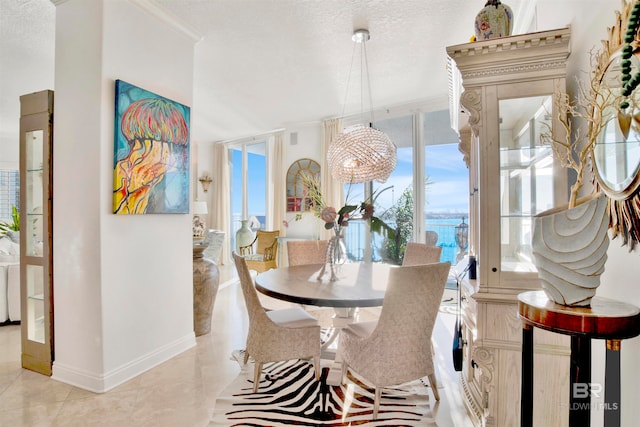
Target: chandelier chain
(361, 153)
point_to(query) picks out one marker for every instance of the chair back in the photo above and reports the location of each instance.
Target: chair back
(419, 253)
(431, 237)
(304, 252)
(408, 315)
(267, 243)
(254, 307)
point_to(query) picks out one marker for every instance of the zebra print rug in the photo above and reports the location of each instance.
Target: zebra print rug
(290, 395)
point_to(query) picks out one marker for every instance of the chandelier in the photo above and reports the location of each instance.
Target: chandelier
(361, 153)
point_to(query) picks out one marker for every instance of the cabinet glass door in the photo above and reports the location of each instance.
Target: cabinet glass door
(526, 177)
(32, 227)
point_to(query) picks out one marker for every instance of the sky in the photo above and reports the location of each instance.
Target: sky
(450, 177)
(447, 173)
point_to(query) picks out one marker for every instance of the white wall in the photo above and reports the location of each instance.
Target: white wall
(589, 23)
(123, 283)
(308, 146)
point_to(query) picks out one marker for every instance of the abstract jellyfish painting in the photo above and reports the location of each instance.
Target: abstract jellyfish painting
(151, 153)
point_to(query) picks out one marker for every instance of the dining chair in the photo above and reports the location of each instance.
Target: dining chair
(396, 349)
(276, 335)
(301, 252)
(419, 253)
(431, 237)
(305, 252)
(262, 253)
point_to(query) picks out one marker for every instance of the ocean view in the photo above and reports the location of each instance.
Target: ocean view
(443, 225)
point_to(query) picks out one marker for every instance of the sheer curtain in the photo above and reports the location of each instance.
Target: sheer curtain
(277, 185)
(332, 190)
(221, 190)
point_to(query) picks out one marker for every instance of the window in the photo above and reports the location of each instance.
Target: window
(435, 178)
(248, 186)
(9, 193)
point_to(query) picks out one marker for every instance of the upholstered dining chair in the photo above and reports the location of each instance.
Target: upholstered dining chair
(262, 253)
(301, 252)
(305, 252)
(419, 253)
(397, 348)
(276, 335)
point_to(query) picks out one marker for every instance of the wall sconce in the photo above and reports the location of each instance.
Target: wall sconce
(205, 180)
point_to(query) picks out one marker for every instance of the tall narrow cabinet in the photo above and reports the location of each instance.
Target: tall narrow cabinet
(506, 105)
(36, 234)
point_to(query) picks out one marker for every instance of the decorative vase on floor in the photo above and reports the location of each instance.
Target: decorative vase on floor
(206, 279)
(493, 21)
(244, 235)
(570, 250)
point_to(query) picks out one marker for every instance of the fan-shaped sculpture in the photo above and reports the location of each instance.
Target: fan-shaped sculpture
(361, 154)
(570, 250)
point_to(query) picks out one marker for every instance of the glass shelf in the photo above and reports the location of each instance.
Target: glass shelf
(36, 297)
(524, 157)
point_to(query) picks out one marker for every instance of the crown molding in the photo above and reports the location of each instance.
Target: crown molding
(153, 9)
(543, 53)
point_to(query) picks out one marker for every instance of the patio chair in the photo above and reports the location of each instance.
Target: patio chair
(396, 349)
(262, 253)
(276, 335)
(301, 252)
(419, 253)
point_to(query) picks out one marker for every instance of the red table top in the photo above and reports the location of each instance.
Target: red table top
(604, 319)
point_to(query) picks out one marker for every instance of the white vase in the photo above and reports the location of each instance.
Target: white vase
(244, 235)
(493, 21)
(570, 250)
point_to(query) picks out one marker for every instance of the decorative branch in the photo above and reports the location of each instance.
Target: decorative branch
(596, 106)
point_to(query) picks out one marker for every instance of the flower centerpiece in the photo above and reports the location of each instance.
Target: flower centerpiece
(337, 220)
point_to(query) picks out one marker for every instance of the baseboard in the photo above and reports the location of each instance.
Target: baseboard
(102, 383)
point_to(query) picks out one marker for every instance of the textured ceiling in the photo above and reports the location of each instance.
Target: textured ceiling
(266, 64)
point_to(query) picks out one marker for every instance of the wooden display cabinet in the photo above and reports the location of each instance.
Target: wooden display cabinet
(36, 236)
(508, 85)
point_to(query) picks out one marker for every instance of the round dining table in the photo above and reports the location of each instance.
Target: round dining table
(356, 285)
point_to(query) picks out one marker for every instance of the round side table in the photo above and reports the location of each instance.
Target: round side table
(605, 319)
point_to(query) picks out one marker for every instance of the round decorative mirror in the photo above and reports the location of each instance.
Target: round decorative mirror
(297, 200)
(616, 153)
(617, 149)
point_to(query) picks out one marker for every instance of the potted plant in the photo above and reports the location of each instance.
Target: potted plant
(13, 226)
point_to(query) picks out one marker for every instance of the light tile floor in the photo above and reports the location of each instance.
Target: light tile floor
(179, 392)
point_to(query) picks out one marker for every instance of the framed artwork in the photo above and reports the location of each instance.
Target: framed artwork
(151, 153)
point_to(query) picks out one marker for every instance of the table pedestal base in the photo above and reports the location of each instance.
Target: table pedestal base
(344, 316)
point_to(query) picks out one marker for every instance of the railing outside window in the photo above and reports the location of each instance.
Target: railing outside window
(9, 192)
